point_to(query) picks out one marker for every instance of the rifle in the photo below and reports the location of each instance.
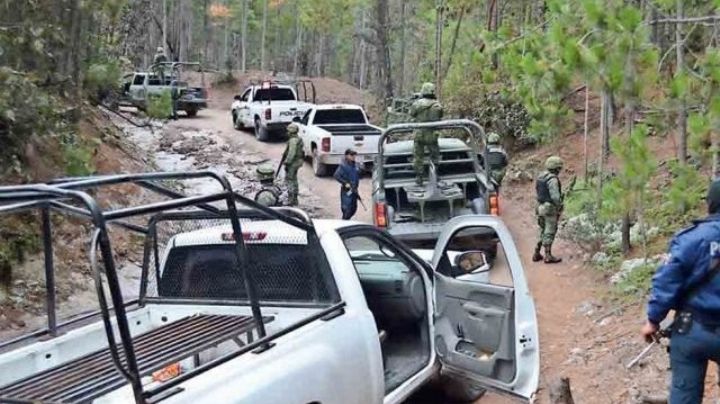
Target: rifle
(361, 201)
(667, 325)
(282, 161)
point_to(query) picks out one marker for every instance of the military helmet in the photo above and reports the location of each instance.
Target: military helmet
(554, 163)
(427, 89)
(267, 197)
(265, 173)
(292, 129)
(493, 138)
(160, 49)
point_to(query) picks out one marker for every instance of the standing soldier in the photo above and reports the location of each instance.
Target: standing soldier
(688, 283)
(348, 175)
(550, 205)
(497, 159)
(160, 57)
(425, 109)
(293, 160)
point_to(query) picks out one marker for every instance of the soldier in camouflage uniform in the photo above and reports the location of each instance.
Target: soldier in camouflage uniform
(497, 158)
(550, 205)
(294, 156)
(269, 195)
(425, 109)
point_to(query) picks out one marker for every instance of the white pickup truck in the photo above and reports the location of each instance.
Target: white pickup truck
(267, 306)
(328, 130)
(268, 108)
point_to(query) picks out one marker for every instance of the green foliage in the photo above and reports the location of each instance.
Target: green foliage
(102, 80)
(159, 105)
(637, 282)
(687, 189)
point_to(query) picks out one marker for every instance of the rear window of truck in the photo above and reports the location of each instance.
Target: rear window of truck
(274, 94)
(282, 272)
(338, 116)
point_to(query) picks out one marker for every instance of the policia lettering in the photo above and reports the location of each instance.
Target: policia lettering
(549, 208)
(425, 109)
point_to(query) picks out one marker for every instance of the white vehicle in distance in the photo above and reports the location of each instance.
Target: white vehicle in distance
(328, 130)
(269, 107)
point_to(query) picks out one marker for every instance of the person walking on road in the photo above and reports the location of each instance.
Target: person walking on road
(549, 208)
(688, 283)
(425, 109)
(497, 159)
(348, 175)
(293, 160)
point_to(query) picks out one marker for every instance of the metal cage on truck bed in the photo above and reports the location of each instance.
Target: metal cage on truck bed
(127, 359)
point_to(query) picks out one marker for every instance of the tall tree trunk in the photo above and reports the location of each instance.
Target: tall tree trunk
(403, 45)
(363, 55)
(165, 27)
(263, 35)
(453, 43)
(585, 133)
(206, 31)
(605, 136)
(439, 24)
(680, 61)
(298, 40)
(243, 66)
(384, 68)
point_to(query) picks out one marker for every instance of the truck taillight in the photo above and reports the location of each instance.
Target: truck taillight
(268, 114)
(494, 204)
(380, 215)
(167, 373)
(325, 145)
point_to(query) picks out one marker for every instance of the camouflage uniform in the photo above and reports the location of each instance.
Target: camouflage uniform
(269, 194)
(550, 205)
(160, 57)
(425, 109)
(497, 158)
(293, 161)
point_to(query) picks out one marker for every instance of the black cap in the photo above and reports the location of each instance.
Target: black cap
(350, 152)
(713, 197)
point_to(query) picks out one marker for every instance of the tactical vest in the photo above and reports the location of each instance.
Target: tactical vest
(497, 159)
(542, 188)
(299, 153)
(427, 110)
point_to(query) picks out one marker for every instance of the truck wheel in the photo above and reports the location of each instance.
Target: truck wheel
(319, 168)
(459, 391)
(237, 122)
(261, 133)
(191, 112)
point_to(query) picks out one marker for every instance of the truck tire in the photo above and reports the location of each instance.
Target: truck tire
(237, 122)
(459, 391)
(261, 133)
(192, 112)
(319, 169)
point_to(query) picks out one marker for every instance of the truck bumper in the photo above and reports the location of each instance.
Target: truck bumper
(184, 105)
(277, 127)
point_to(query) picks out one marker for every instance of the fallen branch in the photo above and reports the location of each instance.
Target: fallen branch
(144, 125)
(573, 92)
(707, 18)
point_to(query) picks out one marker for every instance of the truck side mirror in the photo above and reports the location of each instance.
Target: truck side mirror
(238, 98)
(296, 119)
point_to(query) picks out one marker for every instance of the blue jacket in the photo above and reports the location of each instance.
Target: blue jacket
(348, 173)
(687, 263)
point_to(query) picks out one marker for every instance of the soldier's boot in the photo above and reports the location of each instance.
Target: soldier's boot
(549, 258)
(537, 256)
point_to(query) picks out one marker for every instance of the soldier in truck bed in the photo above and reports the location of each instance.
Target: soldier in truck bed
(425, 109)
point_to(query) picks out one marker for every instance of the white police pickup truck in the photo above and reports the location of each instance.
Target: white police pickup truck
(328, 130)
(268, 108)
(274, 309)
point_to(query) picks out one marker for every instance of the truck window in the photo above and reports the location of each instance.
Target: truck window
(246, 96)
(306, 117)
(139, 79)
(283, 273)
(274, 94)
(338, 116)
(154, 81)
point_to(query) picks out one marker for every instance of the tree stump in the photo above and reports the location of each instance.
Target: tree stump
(560, 392)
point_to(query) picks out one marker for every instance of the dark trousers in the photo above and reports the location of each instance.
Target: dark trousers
(690, 355)
(348, 204)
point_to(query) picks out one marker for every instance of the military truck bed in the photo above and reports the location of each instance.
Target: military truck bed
(95, 374)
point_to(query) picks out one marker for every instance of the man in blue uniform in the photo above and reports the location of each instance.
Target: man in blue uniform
(348, 175)
(688, 282)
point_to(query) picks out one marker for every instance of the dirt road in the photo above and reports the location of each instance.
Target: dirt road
(313, 190)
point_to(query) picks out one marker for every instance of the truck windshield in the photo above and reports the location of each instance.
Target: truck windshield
(338, 116)
(282, 272)
(274, 94)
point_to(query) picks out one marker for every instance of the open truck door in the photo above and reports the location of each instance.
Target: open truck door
(486, 333)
